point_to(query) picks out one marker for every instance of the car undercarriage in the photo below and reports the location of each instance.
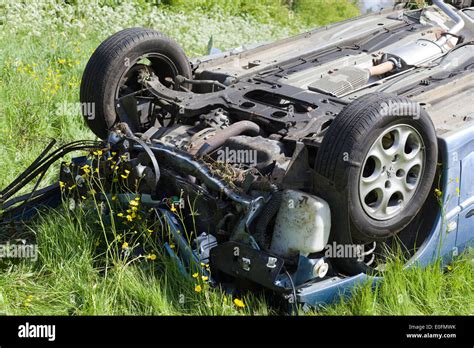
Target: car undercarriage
(289, 150)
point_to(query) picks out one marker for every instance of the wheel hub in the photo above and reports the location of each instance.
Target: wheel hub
(391, 172)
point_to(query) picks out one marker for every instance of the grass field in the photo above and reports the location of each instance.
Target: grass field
(44, 46)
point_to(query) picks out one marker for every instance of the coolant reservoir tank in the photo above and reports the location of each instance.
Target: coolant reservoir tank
(302, 224)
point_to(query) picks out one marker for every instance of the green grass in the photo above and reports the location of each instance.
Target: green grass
(76, 274)
(44, 48)
(430, 291)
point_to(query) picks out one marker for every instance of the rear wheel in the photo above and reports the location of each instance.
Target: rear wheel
(119, 66)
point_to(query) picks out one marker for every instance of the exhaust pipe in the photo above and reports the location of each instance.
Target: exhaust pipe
(456, 28)
(422, 50)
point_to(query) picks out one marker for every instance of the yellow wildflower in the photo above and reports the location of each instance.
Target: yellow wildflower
(62, 185)
(86, 169)
(129, 218)
(239, 303)
(120, 214)
(198, 288)
(173, 209)
(450, 268)
(61, 61)
(150, 231)
(125, 245)
(151, 257)
(195, 275)
(438, 192)
(205, 278)
(134, 203)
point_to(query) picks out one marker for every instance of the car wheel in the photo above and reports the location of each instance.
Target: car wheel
(115, 67)
(382, 150)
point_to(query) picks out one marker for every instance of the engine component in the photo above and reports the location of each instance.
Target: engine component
(178, 136)
(343, 81)
(256, 151)
(320, 269)
(267, 214)
(205, 242)
(217, 119)
(302, 224)
(241, 127)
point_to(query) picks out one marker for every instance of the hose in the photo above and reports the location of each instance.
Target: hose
(220, 137)
(186, 165)
(267, 214)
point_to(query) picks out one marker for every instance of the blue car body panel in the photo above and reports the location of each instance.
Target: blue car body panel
(452, 231)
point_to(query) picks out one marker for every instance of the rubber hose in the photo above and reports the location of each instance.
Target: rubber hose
(267, 214)
(238, 128)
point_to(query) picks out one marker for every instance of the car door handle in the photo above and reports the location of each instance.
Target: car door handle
(470, 213)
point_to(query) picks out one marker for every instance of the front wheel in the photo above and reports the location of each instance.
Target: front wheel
(382, 149)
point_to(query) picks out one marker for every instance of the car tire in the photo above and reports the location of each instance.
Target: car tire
(373, 129)
(113, 60)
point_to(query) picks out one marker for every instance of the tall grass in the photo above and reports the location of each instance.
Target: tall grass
(292, 13)
(433, 290)
(70, 278)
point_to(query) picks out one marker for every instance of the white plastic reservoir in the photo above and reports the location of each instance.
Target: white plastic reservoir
(302, 225)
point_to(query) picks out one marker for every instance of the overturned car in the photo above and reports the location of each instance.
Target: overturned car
(308, 159)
